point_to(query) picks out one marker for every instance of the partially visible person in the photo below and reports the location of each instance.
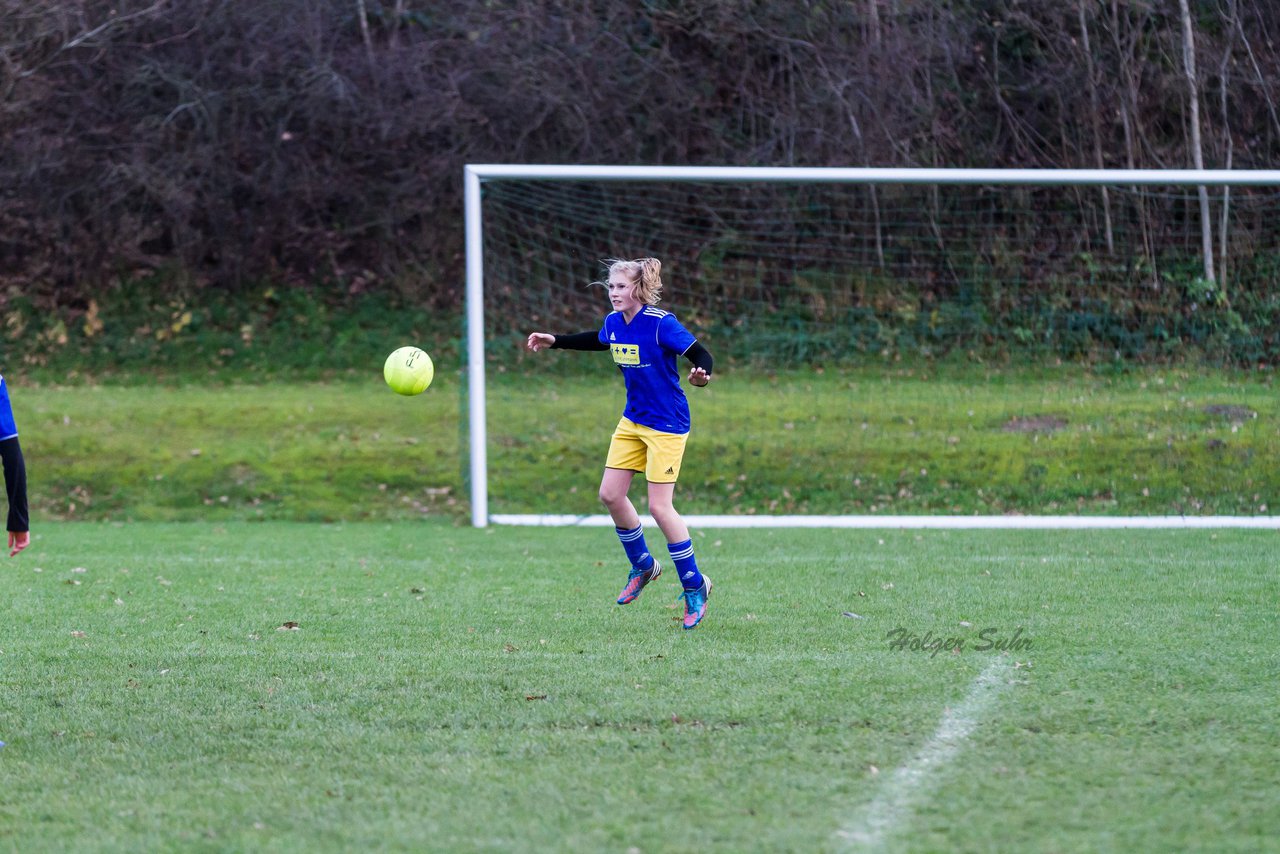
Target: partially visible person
(15, 476)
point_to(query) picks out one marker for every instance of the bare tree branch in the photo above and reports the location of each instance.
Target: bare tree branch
(87, 36)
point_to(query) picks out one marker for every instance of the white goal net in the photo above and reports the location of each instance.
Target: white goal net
(817, 284)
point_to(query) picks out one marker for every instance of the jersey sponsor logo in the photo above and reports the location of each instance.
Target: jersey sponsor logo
(611, 338)
(625, 354)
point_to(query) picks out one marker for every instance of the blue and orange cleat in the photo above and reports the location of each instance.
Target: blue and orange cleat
(636, 580)
(695, 603)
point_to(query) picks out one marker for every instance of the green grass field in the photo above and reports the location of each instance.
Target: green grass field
(957, 439)
(455, 689)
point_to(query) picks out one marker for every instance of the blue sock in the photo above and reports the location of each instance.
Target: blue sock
(686, 566)
(637, 551)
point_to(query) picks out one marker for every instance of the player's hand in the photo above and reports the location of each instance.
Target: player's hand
(18, 540)
(699, 377)
(540, 341)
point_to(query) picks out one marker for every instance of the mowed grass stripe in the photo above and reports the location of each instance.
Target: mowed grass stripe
(950, 439)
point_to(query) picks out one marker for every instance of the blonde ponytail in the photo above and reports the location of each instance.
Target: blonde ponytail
(650, 291)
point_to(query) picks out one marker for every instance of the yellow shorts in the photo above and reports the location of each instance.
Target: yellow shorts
(638, 448)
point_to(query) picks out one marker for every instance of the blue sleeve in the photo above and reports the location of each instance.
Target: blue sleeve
(673, 336)
(8, 427)
(604, 329)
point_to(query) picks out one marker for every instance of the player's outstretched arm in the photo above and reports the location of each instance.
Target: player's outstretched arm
(540, 341)
(15, 483)
(589, 340)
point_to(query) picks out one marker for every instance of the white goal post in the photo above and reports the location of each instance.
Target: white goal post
(476, 175)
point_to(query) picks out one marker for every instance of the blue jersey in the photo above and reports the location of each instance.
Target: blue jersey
(645, 351)
(8, 427)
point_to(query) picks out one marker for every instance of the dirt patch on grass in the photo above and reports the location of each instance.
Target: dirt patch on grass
(1034, 424)
(1230, 411)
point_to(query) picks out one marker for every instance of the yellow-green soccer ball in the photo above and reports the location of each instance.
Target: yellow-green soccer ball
(408, 371)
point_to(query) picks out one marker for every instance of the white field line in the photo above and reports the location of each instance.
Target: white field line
(873, 824)
(952, 522)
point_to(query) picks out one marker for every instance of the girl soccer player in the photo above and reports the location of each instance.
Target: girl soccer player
(645, 341)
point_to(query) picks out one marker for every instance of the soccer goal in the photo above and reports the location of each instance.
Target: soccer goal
(891, 344)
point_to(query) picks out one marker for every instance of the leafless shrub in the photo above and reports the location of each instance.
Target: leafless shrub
(321, 143)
